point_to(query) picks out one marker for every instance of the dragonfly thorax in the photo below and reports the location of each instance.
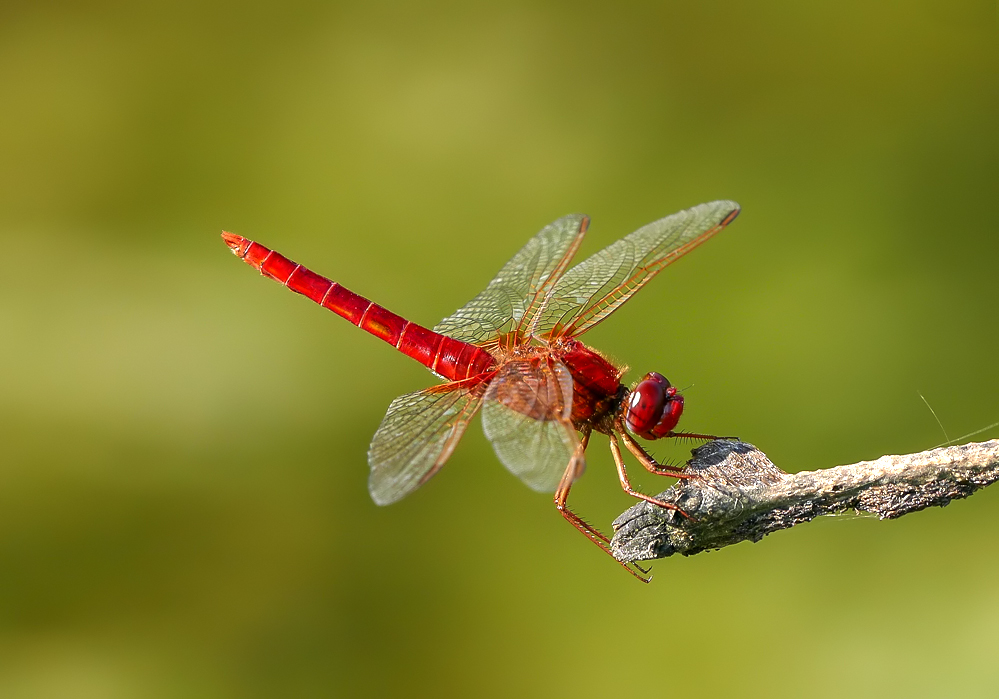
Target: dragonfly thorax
(654, 407)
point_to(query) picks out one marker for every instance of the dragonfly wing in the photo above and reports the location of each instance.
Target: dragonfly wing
(525, 415)
(597, 286)
(416, 438)
(513, 298)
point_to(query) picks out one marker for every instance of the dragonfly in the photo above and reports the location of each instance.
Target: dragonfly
(513, 352)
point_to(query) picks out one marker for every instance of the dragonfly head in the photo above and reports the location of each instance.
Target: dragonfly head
(653, 408)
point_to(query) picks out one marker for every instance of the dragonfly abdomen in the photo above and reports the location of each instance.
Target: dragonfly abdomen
(450, 358)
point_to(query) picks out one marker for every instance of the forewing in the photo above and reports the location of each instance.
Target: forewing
(525, 415)
(513, 298)
(416, 437)
(598, 285)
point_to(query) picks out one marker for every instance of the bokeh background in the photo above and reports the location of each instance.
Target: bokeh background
(183, 502)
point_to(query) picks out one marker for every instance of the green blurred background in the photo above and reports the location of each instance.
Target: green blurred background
(183, 502)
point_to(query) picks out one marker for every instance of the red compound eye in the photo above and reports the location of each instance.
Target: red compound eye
(671, 415)
(645, 405)
(653, 408)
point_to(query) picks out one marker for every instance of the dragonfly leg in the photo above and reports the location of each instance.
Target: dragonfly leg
(588, 530)
(622, 474)
(650, 464)
(695, 435)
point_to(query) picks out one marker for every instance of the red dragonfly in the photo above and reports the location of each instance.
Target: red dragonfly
(513, 352)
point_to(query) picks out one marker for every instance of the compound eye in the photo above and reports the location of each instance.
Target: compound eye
(670, 415)
(646, 403)
(657, 377)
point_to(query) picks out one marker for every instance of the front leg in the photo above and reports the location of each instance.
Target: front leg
(622, 474)
(644, 458)
(696, 435)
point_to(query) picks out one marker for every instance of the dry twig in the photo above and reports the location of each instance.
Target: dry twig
(741, 496)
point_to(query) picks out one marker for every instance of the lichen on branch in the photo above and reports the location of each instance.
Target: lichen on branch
(739, 495)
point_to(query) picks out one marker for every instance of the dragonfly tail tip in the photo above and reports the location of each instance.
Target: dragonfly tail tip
(235, 242)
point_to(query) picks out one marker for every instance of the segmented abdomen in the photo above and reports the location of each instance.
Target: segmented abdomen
(450, 358)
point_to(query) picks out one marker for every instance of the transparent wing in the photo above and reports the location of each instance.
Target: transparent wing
(513, 298)
(597, 286)
(416, 438)
(526, 417)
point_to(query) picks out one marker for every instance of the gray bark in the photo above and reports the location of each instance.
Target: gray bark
(739, 495)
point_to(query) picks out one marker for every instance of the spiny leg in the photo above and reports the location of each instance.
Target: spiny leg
(588, 530)
(650, 464)
(695, 435)
(562, 495)
(622, 474)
